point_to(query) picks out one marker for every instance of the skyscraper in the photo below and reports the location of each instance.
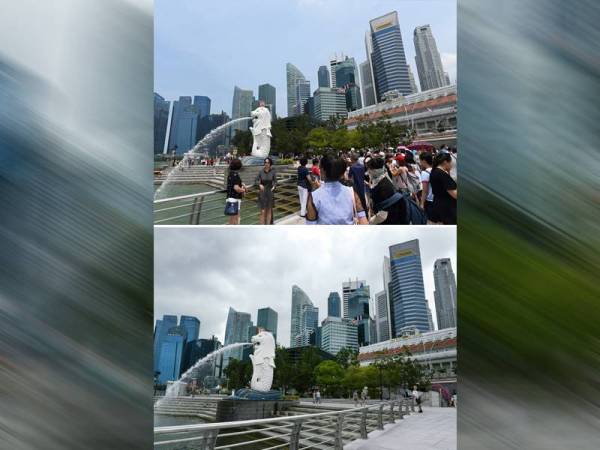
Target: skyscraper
(293, 75)
(338, 333)
(333, 62)
(387, 282)
(348, 287)
(385, 52)
(445, 293)
(171, 353)
(236, 329)
(184, 123)
(202, 103)
(302, 95)
(407, 301)
(430, 318)
(334, 305)
(358, 312)
(267, 319)
(353, 98)
(413, 84)
(299, 299)
(323, 76)
(308, 328)
(429, 63)
(242, 106)
(160, 332)
(268, 94)
(381, 317)
(192, 327)
(345, 72)
(367, 88)
(329, 103)
(161, 119)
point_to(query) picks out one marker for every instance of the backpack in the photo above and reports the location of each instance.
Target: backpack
(414, 214)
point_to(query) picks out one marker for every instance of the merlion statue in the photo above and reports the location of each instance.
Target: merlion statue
(261, 131)
(263, 361)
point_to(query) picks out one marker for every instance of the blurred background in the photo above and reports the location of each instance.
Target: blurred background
(528, 293)
(76, 224)
(76, 240)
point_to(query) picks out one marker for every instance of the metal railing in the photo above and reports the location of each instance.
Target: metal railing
(327, 430)
(207, 208)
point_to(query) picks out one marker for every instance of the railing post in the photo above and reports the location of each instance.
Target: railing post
(392, 418)
(380, 418)
(199, 210)
(412, 405)
(210, 440)
(295, 436)
(363, 424)
(339, 442)
(193, 213)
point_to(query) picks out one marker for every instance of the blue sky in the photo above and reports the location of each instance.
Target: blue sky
(206, 47)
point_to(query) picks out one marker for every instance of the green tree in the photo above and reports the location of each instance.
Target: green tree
(284, 372)
(243, 141)
(305, 372)
(354, 379)
(347, 357)
(319, 138)
(238, 373)
(329, 375)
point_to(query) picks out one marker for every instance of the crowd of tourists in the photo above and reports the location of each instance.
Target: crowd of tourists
(397, 187)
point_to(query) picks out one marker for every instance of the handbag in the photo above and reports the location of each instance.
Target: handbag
(232, 207)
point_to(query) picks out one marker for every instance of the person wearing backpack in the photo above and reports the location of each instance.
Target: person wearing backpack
(444, 191)
(388, 207)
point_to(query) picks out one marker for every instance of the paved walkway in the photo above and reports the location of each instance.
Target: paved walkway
(435, 429)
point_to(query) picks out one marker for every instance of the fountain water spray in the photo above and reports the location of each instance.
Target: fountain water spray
(206, 140)
(173, 389)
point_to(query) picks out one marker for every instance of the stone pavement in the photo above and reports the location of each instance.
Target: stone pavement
(435, 429)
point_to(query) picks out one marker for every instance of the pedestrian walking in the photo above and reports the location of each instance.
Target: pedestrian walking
(355, 398)
(318, 397)
(417, 396)
(303, 185)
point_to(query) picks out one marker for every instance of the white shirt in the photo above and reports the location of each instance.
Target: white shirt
(425, 179)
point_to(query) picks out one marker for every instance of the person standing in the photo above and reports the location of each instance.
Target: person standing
(330, 202)
(314, 170)
(303, 185)
(266, 181)
(356, 173)
(235, 192)
(318, 397)
(364, 395)
(417, 396)
(355, 398)
(426, 200)
(444, 190)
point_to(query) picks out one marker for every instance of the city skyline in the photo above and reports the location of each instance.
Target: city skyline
(207, 286)
(181, 68)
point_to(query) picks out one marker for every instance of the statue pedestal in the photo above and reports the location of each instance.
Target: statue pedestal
(233, 409)
(251, 394)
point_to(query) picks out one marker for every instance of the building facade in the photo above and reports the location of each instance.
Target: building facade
(268, 94)
(192, 327)
(329, 103)
(385, 52)
(334, 305)
(348, 287)
(237, 326)
(299, 300)
(202, 103)
(435, 350)
(382, 325)
(323, 77)
(429, 64)
(267, 319)
(366, 82)
(445, 293)
(408, 306)
(338, 333)
(160, 332)
(171, 354)
(293, 75)
(413, 83)
(302, 96)
(241, 107)
(161, 120)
